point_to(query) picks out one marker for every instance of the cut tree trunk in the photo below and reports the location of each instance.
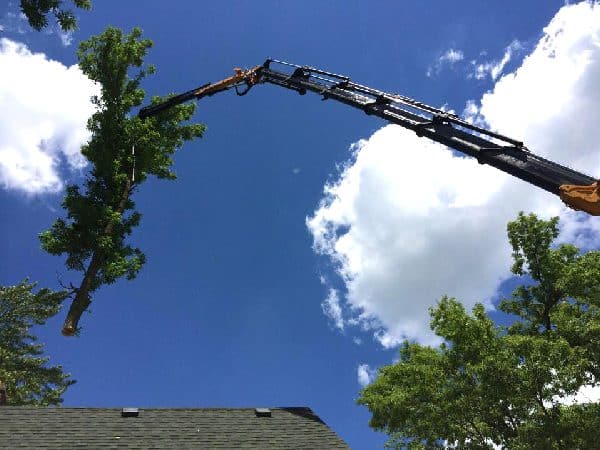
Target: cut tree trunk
(82, 301)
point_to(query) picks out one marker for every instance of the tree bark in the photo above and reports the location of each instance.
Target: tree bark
(82, 296)
(3, 399)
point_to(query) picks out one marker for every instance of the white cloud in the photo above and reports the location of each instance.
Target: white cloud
(45, 106)
(553, 99)
(585, 394)
(66, 37)
(449, 57)
(365, 374)
(332, 309)
(14, 21)
(414, 214)
(408, 220)
(494, 68)
(452, 56)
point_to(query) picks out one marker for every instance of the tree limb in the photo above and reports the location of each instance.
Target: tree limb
(82, 301)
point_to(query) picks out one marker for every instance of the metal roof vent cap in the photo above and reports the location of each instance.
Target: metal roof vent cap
(262, 412)
(130, 412)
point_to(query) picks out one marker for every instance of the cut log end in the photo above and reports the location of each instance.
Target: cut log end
(69, 327)
(78, 307)
(68, 331)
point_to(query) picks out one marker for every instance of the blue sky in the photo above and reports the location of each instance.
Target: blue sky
(231, 308)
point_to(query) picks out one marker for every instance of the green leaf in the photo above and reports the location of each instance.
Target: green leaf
(122, 152)
(28, 378)
(489, 385)
(37, 12)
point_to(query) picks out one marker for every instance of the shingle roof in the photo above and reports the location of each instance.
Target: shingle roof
(198, 428)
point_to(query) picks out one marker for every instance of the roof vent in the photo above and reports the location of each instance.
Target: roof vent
(262, 412)
(130, 412)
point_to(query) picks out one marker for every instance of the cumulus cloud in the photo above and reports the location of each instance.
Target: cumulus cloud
(449, 57)
(408, 220)
(585, 394)
(45, 106)
(411, 216)
(365, 374)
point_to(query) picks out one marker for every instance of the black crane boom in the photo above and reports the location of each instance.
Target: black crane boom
(577, 190)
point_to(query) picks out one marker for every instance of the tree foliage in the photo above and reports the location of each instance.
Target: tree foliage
(25, 372)
(37, 12)
(506, 386)
(123, 151)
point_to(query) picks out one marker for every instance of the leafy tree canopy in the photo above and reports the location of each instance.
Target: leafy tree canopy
(37, 12)
(123, 151)
(506, 386)
(28, 378)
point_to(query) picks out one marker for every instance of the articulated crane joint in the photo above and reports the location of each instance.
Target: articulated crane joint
(583, 198)
(248, 77)
(577, 190)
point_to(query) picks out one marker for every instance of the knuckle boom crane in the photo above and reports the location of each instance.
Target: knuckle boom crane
(577, 190)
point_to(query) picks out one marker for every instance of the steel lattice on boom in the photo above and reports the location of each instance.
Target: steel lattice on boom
(577, 190)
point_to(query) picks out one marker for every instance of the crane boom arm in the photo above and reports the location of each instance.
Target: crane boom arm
(576, 189)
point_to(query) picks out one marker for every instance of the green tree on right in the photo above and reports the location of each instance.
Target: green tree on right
(490, 386)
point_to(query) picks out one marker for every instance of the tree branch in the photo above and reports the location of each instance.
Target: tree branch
(82, 301)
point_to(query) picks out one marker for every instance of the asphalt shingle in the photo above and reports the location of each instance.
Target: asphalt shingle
(162, 428)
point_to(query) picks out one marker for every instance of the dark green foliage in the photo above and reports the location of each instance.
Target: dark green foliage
(503, 385)
(122, 152)
(37, 12)
(25, 372)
